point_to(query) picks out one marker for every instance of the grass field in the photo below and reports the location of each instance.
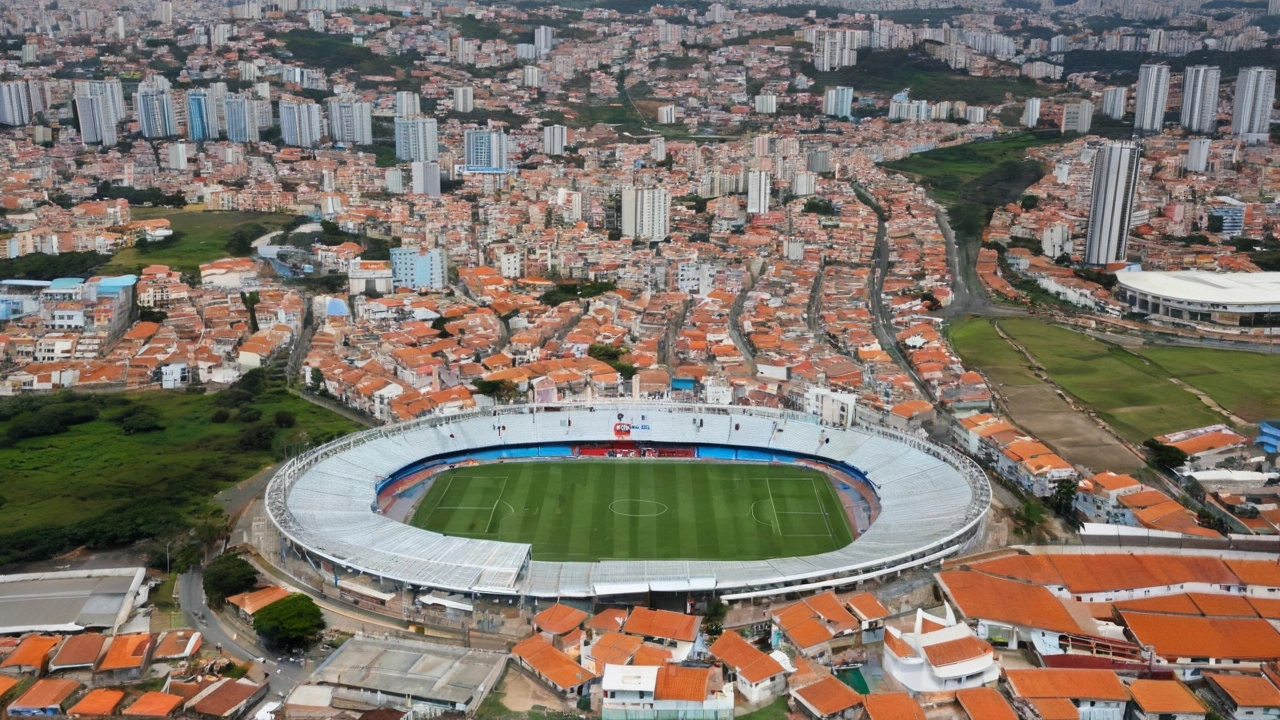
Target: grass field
(589, 510)
(1132, 392)
(73, 487)
(1242, 382)
(198, 238)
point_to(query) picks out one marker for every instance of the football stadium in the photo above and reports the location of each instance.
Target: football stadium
(623, 498)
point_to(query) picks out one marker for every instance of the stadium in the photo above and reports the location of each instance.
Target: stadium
(611, 499)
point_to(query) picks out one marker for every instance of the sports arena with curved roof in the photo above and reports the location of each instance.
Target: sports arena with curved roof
(931, 501)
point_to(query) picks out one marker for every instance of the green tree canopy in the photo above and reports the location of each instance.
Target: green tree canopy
(228, 575)
(289, 624)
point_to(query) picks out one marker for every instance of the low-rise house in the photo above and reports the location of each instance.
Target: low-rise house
(1090, 694)
(829, 699)
(31, 657)
(1244, 697)
(78, 653)
(892, 706)
(552, 666)
(249, 603)
(1192, 644)
(101, 702)
(758, 676)
(49, 696)
(126, 658)
(871, 615)
(814, 623)
(984, 703)
(1098, 498)
(560, 624)
(939, 655)
(154, 704)
(226, 699)
(646, 693)
(1207, 446)
(672, 630)
(178, 645)
(1165, 700)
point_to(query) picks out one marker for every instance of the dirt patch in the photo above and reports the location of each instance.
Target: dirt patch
(1076, 437)
(521, 694)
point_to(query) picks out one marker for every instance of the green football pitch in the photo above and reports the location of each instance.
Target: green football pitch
(587, 510)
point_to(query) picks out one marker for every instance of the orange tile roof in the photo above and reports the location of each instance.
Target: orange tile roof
(125, 651)
(867, 607)
(610, 620)
(662, 624)
(1056, 709)
(155, 704)
(829, 696)
(615, 649)
(559, 619)
(1247, 690)
(651, 655)
(898, 646)
(98, 702)
(750, 662)
(79, 650)
(32, 651)
(552, 664)
(1256, 572)
(983, 703)
(991, 598)
(1046, 683)
(892, 706)
(1165, 696)
(1035, 569)
(47, 693)
(957, 651)
(676, 682)
(253, 601)
(1178, 636)
(7, 683)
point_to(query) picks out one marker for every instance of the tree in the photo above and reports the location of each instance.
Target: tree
(289, 624)
(1029, 201)
(228, 575)
(1165, 456)
(258, 436)
(316, 384)
(500, 390)
(285, 419)
(713, 621)
(250, 300)
(1029, 519)
(1215, 223)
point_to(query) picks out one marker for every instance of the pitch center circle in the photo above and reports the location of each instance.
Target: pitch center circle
(638, 508)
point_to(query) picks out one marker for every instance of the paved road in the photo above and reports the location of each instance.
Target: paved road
(284, 675)
(967, 295)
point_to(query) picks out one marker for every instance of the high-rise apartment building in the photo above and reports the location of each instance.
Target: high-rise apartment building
(646, 213)
(201, 124)
(1115, 180)
(153, 103)
(1197, 155)
(1152, 99)
(300, 123)
(15, 103)
(419, 267)
(242, 118)
(350, 121)
(408, 104)
(838, 102)
(485, 151)
(464, 99)
(759, 185)
(417, 139)
(1077, 117)
(1113, 102)
(1200, 98)
(1031, 113)
(96, 121)
(554, 138)
(1255, 94)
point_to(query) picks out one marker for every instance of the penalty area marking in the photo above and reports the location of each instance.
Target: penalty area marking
(653, 503)
(773, 524)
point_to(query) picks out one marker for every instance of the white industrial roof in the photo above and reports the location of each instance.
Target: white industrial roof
(1240, 288)
(931, 500)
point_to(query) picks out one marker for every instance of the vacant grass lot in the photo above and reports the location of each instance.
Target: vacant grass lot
(1132, 394)
(978, 343)
(94, 470)
(587, 510)
(1242, 382)
(199, 237)
(949, 171)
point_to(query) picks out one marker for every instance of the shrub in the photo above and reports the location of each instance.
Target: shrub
(285, 419)
(220, 415)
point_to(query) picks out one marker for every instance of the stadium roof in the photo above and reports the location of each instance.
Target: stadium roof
(931, 501)
(1241, 288)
